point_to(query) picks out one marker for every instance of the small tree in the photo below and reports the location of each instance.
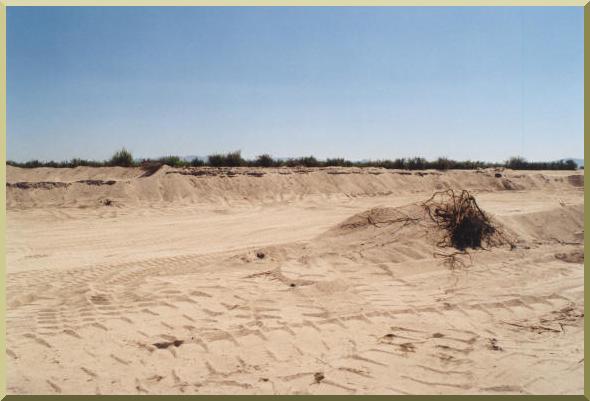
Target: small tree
(308, 161)
(338, 161)
(442, 163)
(265, 160)
(122, 158)
(234, 159)
(416, 163)
(197, 162)
(570, 165)
(33, 164)
(517, 163)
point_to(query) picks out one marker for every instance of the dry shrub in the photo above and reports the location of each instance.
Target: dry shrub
(462, 224)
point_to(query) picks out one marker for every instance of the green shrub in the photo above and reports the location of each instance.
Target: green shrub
(77, 162)
(232, 159)
(265, 160)
(215, 160)
(122, 158)
(308, 161)
(570, 165)
(519, 163)
(416, 163)
(391, 164)
(516, 163)
(173, 161)
(442, 163)
(196, 162)
(33, 164)
(338, 162)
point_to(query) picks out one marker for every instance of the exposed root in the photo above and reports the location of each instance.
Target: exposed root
(453, 260)
(463, 225)
(379, 219)
(405, 220)
(462, 221)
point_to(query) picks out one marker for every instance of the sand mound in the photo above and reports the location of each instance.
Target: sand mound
(440, 222)
(385, 220)
(561, 224)
(387, 233)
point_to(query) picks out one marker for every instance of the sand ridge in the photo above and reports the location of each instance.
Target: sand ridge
(90, 186)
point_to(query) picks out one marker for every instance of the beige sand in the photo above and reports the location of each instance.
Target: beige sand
(123, 283)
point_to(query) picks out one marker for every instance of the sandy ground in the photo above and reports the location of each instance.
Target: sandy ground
(272, 282)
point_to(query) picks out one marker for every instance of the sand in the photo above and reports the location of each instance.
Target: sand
(276, 281)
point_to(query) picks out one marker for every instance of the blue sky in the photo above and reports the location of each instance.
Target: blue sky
(466, 83)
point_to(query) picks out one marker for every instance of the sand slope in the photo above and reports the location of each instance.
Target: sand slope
(89, 187)
(281, 284)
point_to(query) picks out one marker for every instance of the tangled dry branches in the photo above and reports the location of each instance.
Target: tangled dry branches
(463, 224)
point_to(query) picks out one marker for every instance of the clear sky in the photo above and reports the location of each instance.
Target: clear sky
(466, 83)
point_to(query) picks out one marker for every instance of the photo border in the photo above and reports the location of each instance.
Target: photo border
(487, 3)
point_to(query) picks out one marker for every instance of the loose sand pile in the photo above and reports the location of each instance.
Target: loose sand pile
(283, 281)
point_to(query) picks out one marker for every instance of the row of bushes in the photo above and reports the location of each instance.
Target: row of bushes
(124, 158)
(519, 163)
(121, 158)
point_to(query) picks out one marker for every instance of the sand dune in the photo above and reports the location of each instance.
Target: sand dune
(289, 281)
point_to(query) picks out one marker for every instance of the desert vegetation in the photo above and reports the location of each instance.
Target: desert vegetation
(124, 158)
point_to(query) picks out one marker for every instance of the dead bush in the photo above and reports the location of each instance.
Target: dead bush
(462, 225)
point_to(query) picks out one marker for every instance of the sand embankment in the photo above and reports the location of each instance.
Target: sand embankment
(91, 187)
